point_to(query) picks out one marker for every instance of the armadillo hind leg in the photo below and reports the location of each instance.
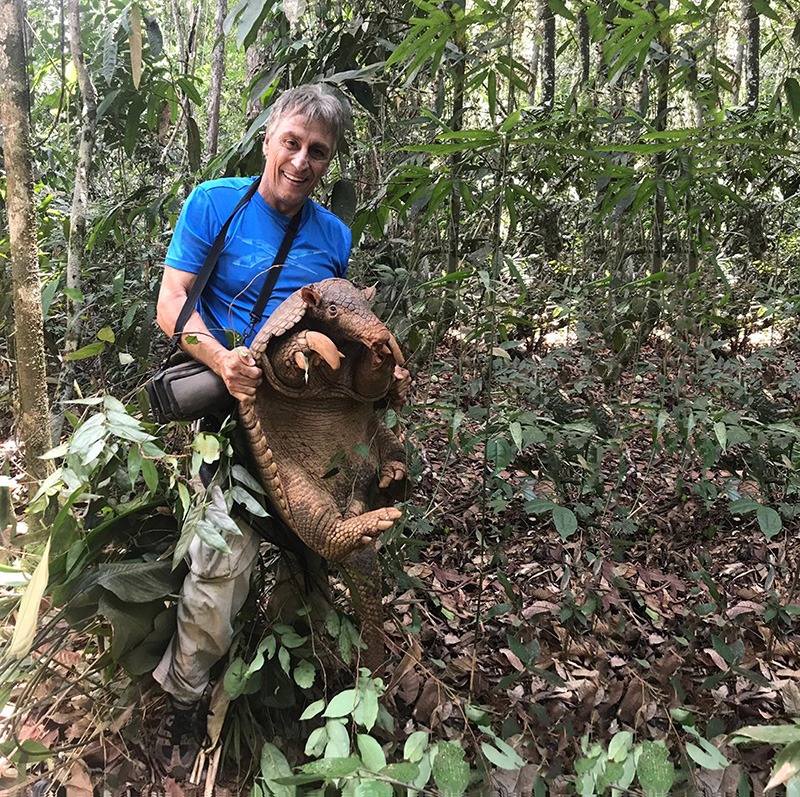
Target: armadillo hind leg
(361, 570)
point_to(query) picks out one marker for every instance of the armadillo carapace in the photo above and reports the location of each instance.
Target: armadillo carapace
(317, 444)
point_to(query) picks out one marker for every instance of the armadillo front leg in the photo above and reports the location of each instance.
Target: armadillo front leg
(323, 528)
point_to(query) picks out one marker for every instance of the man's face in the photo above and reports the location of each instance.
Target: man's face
(298, 153)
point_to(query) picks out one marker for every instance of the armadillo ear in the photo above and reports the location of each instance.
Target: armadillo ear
(311, 296)
(369, 293)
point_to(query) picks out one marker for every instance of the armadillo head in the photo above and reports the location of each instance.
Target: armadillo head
(341, 311)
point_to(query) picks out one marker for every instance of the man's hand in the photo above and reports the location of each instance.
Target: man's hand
(239, 371)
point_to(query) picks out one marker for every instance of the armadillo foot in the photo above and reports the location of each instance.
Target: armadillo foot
(355, 532)
(391, 471)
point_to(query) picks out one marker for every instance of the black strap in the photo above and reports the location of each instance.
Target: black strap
(208, 266)
(274, 272)
(211, 261)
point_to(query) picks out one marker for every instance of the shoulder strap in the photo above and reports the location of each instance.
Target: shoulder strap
(208, 266)
(272, 275)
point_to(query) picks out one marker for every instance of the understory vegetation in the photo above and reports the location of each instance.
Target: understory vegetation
(582, 220)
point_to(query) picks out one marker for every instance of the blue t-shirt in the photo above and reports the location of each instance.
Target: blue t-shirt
(320, 250)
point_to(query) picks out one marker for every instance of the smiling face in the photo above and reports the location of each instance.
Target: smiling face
(298, 152)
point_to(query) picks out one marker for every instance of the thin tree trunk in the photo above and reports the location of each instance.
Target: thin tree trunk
(752, 24)
(548, 56)
(582, 30)
(217, 74)
(456, 124)
(254, 58)
(33, 419)
(660, 123)
(78, 215)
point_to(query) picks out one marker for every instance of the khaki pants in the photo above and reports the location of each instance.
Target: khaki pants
(213, 592)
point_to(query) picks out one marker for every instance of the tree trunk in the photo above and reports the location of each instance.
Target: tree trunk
(456, 124)
(78, 215)
(660, 123)
(548, 56)
(582, 31)
(33, 421)
(752, 25)
(255, 59)
(217, 73)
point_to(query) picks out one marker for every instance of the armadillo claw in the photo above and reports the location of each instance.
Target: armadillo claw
(391, 471)
(356, 532)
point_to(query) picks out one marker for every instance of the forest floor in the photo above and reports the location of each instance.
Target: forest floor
(681, 625)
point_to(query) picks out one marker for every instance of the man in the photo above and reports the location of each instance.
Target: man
(305, 127)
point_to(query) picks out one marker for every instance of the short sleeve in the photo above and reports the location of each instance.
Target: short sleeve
(344, 254)
(194, 233)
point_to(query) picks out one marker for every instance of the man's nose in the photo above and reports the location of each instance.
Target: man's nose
(300, 159)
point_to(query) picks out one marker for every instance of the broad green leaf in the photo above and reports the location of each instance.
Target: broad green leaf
(91, 350)
(705, 759)
(106, 334)
(763, 8)
(371, 752)
(769, 521)
(154, 36)
(28, 613)
(373, 788)
(770, 734)
(656, 773)
(208, 446)
(415, 746)
(366, 709)
(338, 739)
(311, 711)
(450, 770)
(330, 768)
(620, 746)
(565, 521)
(342, 705)
(304, 674)
(500, 759)
(721, 433)
(274, 765)
(139, 582)
(210, 536)
(242, 475)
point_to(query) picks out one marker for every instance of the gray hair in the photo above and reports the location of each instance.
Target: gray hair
(315, 104)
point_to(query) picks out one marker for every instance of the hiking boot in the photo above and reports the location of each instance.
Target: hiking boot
(179, 737)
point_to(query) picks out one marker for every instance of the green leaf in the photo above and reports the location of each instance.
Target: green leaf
(140, 582)
(450, 770)
(721, 433)
(565, 521)
(770, 734)
(371, 752)
(154, 36)
(655, 771)
(106, 334)
(273, 766)
(769, 521)
(208, 446)
(92, 350)
(312, 710)
(706, 756)
(559, 7)
(415, 746)
(304, 674)
(366, 710)
(342, 705)
(763, 8)
(330, 768)
(244, 477)
(373, 788)
(620, 746)
(500, 759)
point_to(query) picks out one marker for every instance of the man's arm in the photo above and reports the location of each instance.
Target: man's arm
(236, 368)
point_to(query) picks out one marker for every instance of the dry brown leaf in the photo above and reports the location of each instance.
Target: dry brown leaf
(79, 784)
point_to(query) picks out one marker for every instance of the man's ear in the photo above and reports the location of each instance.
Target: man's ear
(265, 145)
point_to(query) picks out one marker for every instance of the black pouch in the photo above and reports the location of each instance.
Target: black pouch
(185, 389)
